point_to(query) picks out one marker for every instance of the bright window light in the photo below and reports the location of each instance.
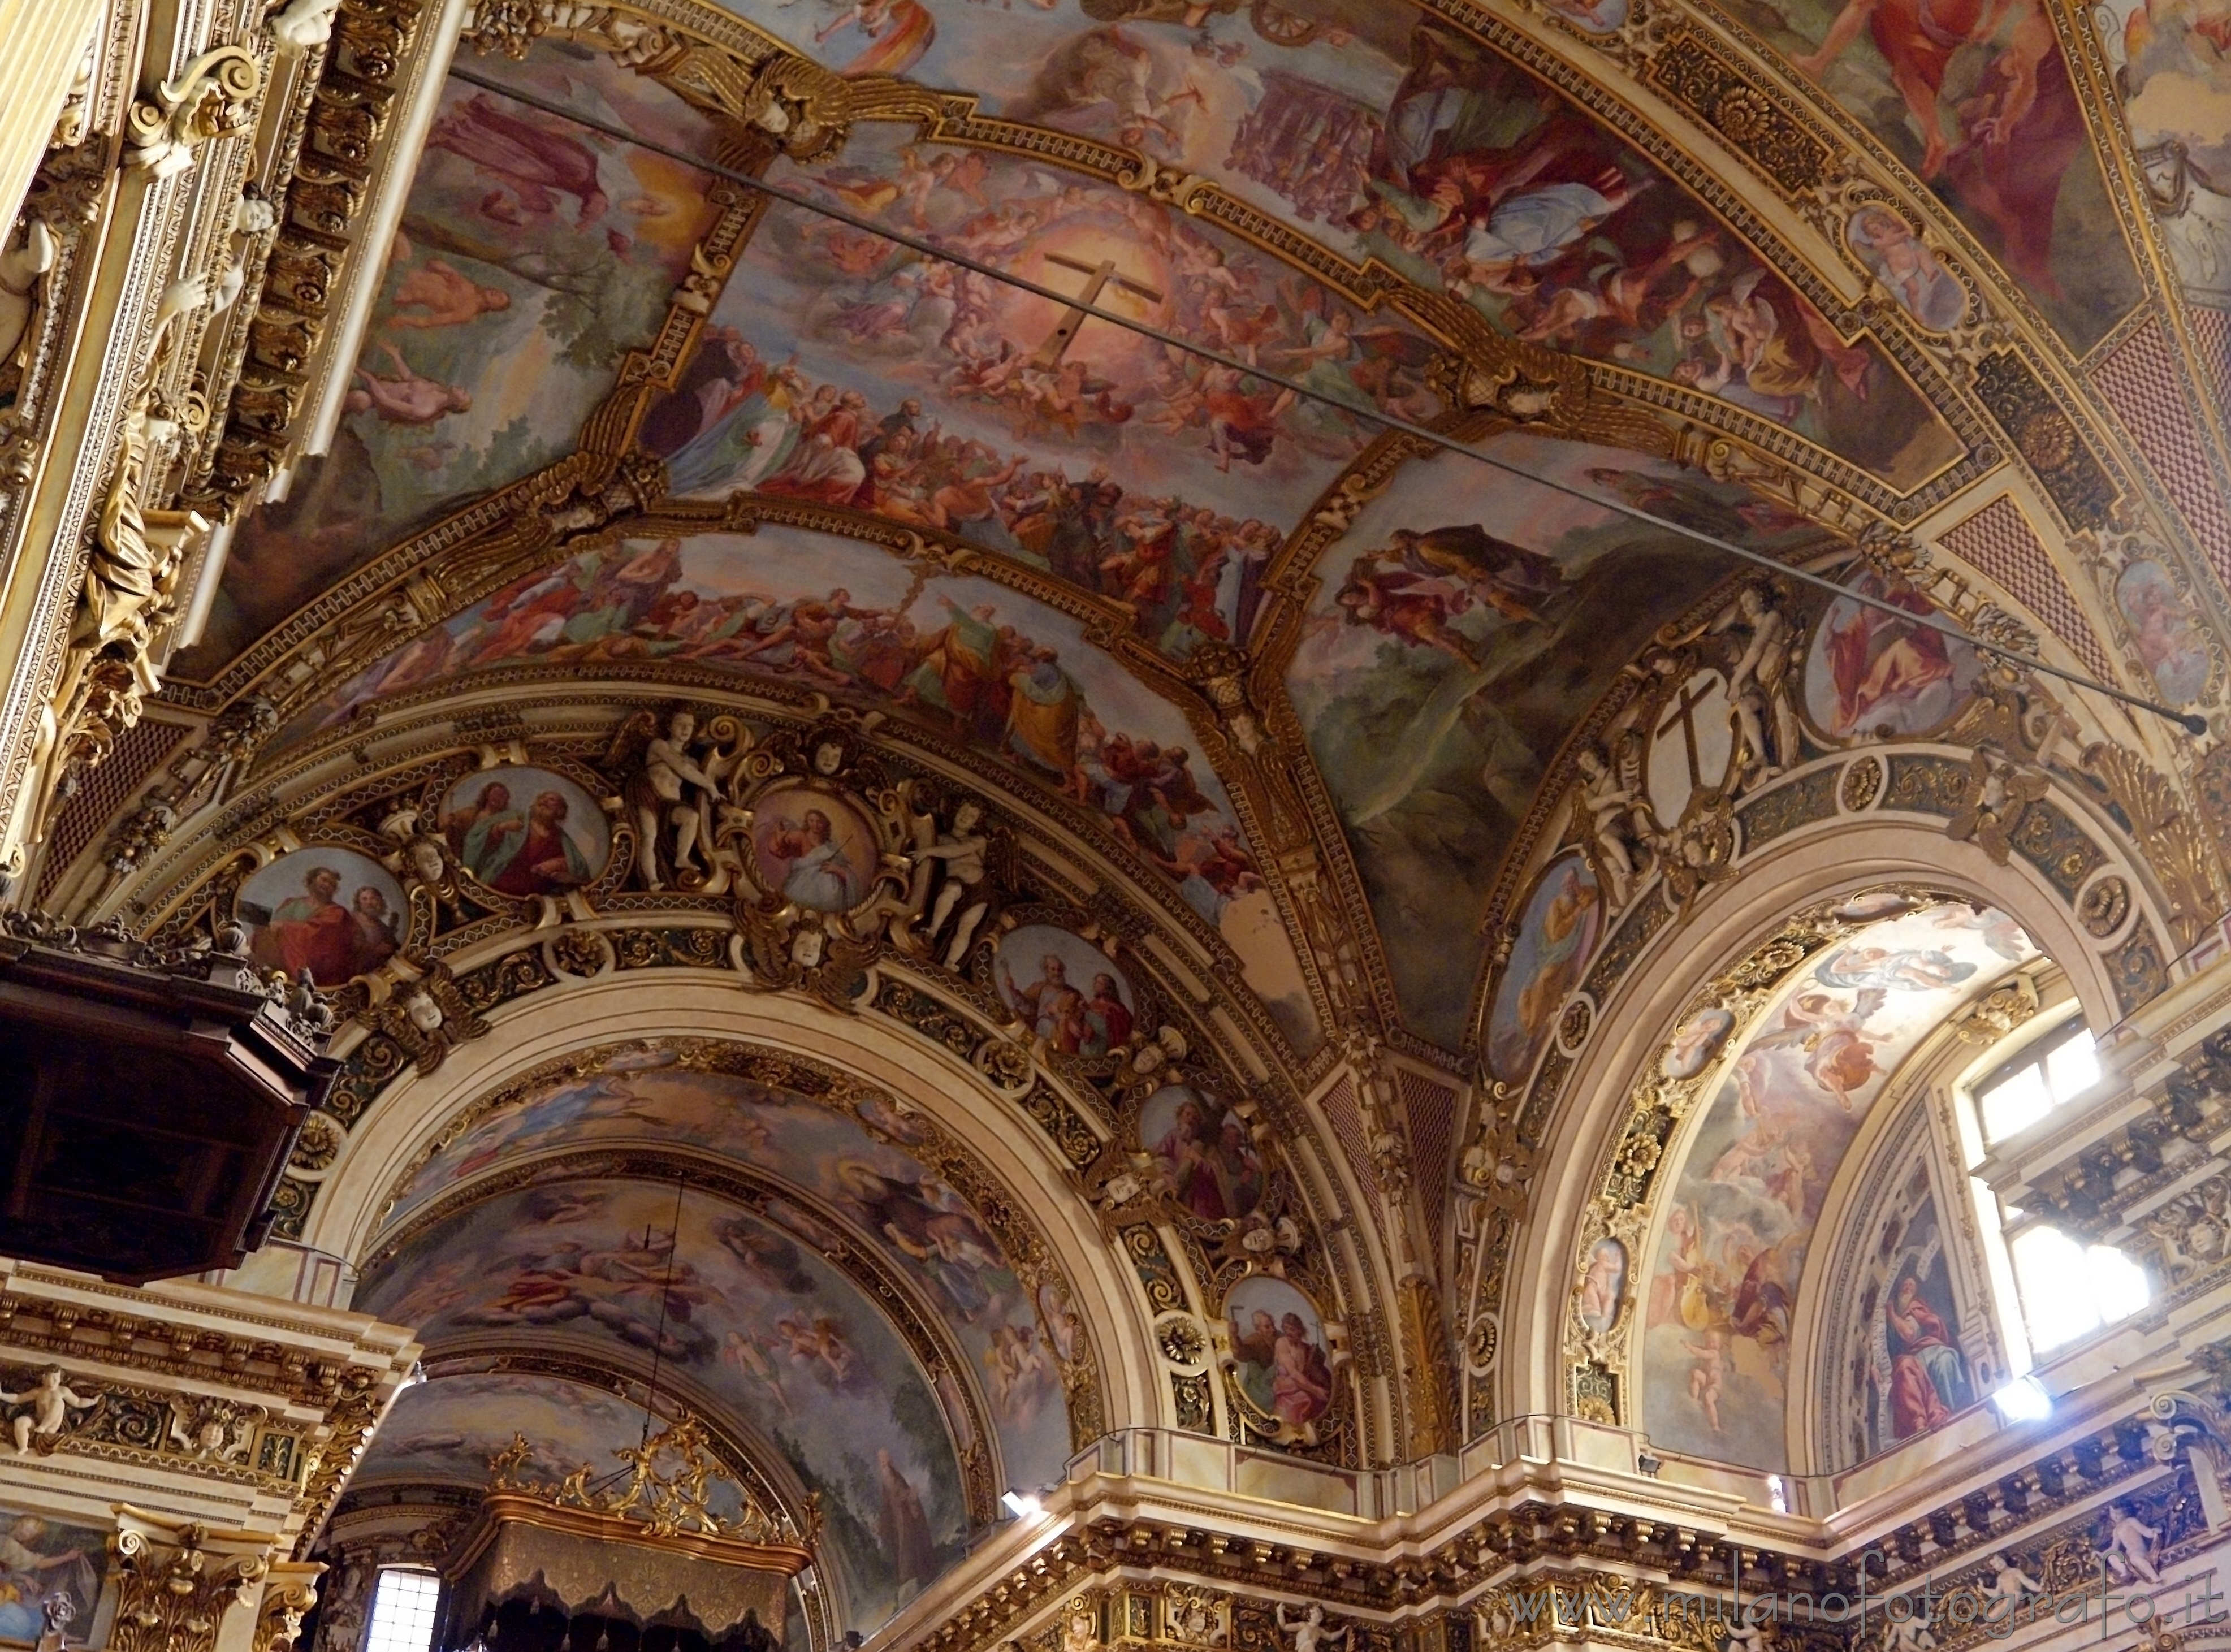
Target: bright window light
(2048, 1074)
(2070, 1290)
(2073, 1067)
(2118, 1285)
(2023, 1400)
(403, 1610)
(2012, 1106)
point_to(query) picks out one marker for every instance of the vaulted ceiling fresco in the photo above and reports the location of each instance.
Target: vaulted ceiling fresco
(1792, 1089)
(785, 1246)
(1173, 697)
(1378, 205)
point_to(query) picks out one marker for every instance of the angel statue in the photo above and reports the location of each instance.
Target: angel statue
(1309, 1631)
(673, 794)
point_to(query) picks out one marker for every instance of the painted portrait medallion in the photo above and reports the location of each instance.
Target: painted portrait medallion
(1279, 1353)
(1556, 937)
(1869, 674)
(525, 831)
(1065, 988)
(2169, 641)
(1696, 1041)
(1603, 1286)
(1204, 1152)
(330, 911)
(813, 846)
(1925, 289)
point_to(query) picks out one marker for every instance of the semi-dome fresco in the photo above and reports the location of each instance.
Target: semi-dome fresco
(1158, 800)
(749, 1310)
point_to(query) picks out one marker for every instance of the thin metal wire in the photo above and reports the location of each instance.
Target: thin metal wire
(2191, 722)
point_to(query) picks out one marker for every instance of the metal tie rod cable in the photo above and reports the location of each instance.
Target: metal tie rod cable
(2191, 722)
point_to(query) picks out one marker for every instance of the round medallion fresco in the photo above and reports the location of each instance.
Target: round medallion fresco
(1204, 1151)
(1557, 934)
(1871, 673)
(1279, 1358)
(521, 830)
(1696, 1041)
(332, 912)
(1073, 998)
(814, 846)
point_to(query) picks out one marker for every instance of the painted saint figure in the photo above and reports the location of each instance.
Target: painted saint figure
(313, 933)
(1928, 1378)
(818, 873)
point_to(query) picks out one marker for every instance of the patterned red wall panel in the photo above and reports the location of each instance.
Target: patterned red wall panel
(2140, 382)
(2211, 334)
(1431, 1111)
(1999, 541)
(138, 750)
(1346, 1120)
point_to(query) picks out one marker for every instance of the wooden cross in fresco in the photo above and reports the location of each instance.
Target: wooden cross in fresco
(1103, 273)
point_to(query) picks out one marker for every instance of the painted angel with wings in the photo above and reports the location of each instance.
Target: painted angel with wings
(1839, 1054)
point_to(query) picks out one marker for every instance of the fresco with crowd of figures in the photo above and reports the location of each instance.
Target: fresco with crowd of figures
(846, 370)
(744, 1307)
(1460, 629)
(1722, 1291)
(1382, 131)
(531, 254)
(852, 1158)
(970, 658)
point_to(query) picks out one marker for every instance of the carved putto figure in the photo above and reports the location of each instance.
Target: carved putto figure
(2009, 1583)
(960, 853)
(46, 1409)
(2130, 1551)
(1758, 682)
(673, 797)
(1610, 807)
(1308, 1631)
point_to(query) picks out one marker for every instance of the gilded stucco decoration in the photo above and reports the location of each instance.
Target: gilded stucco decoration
(1269, 808)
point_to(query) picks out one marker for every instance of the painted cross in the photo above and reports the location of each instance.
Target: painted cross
(1694, 692)
(1101, 274)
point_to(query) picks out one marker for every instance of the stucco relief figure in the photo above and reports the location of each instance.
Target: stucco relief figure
(1309, 1631)
(672, 797)
(2010, 1585)
(959, 852)
(47, 1405)
(1759, 682)
(2130, 1551)
(22, 268)
(1610, 808)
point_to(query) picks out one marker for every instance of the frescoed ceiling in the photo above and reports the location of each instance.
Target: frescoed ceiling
(795, 1266)
(1448, 218)
(1409, 752)
(1789, 1092)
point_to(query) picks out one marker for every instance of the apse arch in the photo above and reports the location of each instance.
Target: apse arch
(1594, 1129)
(570, 1266)
(348, 1218)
